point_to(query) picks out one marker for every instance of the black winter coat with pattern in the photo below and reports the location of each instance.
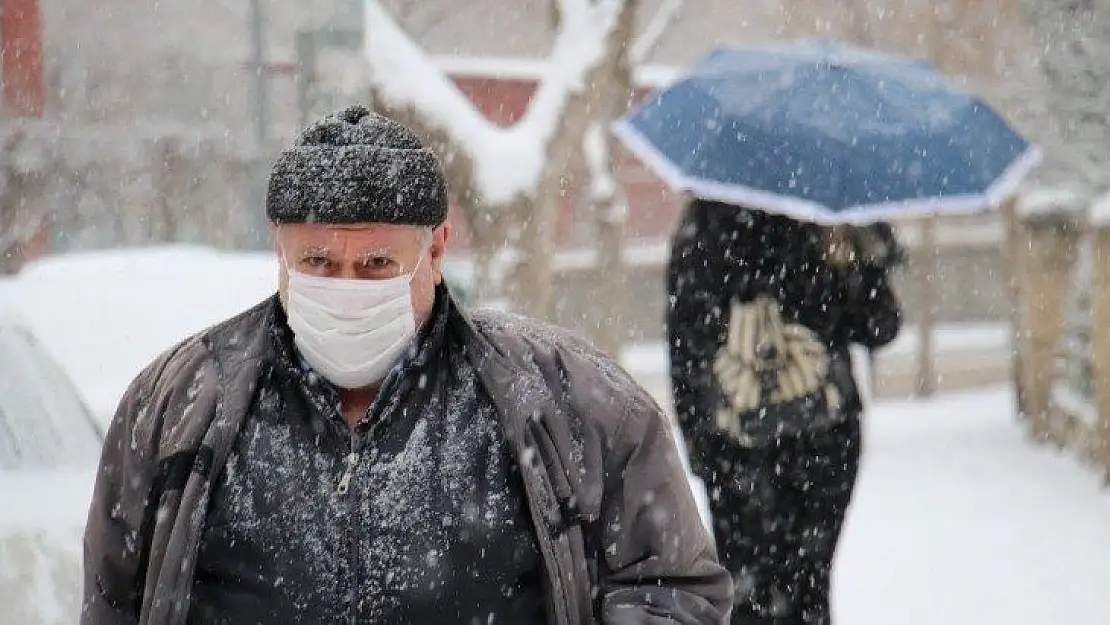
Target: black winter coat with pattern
(722, 252)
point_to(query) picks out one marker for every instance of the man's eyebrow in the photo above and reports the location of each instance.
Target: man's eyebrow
(377, 251)
(315, 250)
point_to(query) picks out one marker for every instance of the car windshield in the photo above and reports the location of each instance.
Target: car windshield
(43, 422)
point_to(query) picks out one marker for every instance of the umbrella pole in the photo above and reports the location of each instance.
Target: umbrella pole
(926, 369)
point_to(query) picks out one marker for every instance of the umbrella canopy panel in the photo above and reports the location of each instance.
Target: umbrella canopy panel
(826, 130)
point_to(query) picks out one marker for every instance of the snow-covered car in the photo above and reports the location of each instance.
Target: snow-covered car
(49, 446)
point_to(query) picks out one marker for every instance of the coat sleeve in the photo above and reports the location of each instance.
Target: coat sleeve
(660, 565)
(696, 323)
(873, 316)
(867, 306)
(113, 541)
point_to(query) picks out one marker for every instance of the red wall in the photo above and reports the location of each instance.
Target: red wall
(22, 86)
(652, 209)
(24, 93)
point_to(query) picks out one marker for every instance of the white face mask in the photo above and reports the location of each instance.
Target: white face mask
(351, 331)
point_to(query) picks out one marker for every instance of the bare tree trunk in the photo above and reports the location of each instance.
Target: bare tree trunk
(532, 292)
(531, 283)
(530, 288)
(608, 206)
(481, 286)
(609, 329)
(608, 211)
(488, 236)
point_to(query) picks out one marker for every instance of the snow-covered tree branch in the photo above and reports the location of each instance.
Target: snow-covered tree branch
(652, 34)
(507, 180)
(608, 204)
(617, 94)
(507, 162)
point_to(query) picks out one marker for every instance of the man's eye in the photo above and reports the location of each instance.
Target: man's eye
(378, 262)
(316, 261)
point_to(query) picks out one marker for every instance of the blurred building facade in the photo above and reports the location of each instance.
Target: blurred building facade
(151, 106)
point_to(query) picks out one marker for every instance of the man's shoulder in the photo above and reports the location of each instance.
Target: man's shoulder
(591, 378)
(190, 353)
(520, 336)
(505, 326)
(178, 384)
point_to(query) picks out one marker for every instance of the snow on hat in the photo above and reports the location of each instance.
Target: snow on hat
(357, 166)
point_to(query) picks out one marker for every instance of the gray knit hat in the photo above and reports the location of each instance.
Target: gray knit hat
(356, 166)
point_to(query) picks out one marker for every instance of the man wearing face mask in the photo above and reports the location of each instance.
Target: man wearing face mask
(360, 449)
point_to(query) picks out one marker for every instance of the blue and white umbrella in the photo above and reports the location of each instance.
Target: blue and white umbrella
(827, 132)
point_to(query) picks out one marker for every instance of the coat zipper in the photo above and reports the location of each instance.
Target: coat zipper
(342, 489)
(350, 461)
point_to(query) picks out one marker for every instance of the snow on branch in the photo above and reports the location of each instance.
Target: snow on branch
(507, 162)
(596, 151)
(403, 75)
(579, 47)
(603, 185)
(646, 43)
(572, 7)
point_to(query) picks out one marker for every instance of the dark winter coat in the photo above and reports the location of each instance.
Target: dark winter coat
(616, 524)
(417, 515)
(720, 253)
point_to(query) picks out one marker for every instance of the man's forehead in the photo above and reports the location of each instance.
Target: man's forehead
(359, 234)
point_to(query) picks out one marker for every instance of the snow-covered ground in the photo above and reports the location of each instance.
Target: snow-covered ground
(959, 519)
(41, 519)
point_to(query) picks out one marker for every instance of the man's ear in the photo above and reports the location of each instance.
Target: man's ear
(440, 236)
(438, 249)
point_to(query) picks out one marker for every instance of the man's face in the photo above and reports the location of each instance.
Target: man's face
(366, 252)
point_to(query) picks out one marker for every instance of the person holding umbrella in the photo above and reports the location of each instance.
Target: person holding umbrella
(779, 466)
(796, 155)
